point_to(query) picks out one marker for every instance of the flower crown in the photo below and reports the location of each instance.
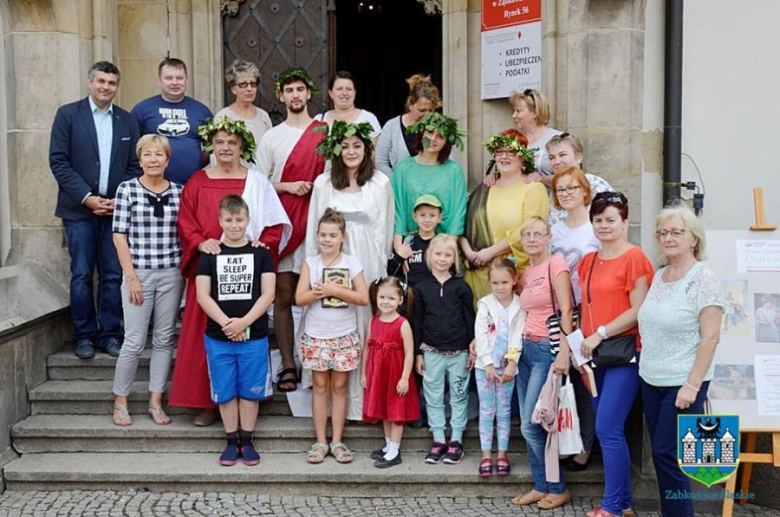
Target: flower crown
(445, 126)
(500, 141)
(234, 127)
(330, 147)
(295, 74)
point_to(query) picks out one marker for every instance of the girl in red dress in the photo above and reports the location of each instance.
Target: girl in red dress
(391, 392)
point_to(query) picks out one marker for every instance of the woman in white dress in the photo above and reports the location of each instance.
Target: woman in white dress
(364, 197)
(243, 78)
(342, 92)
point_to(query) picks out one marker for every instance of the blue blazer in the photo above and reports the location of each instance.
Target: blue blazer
(75, 161)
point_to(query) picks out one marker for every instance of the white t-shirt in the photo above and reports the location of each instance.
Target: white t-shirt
(573, 244)
(272, 154)
(365, 116)
(327, 322)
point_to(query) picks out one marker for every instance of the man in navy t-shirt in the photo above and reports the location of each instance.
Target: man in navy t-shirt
(176, 116)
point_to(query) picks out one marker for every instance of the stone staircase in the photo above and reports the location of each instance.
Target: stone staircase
(70, 443)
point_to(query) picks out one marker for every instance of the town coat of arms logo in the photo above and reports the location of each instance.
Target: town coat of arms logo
(708, 446)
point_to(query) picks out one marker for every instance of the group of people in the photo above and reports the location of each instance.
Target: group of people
(250, 220)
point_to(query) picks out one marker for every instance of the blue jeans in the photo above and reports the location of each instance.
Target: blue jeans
(91, 244)
(453, 369)
(532, 372)
(618, 386)
(661, 416)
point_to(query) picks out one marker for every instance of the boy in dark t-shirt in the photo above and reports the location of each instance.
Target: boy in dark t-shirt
(235, 289)
(410, 266)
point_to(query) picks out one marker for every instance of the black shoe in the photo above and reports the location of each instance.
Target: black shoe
(85, 349)
(576, 466)
(112, 347)
(382, 463)
(437, 452)
(454, 453)
(418, 424)
(378, 454)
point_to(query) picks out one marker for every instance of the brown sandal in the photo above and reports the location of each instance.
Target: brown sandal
(121, 416)
(528, 498)
(158, 415)
(555, 500)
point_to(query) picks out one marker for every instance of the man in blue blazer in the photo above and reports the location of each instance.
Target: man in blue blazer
(92, 151)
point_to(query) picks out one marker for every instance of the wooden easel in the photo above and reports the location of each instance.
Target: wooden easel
(758, 208)
(746, 460)
(749, 456)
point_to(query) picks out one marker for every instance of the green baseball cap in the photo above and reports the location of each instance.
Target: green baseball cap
(427, 199)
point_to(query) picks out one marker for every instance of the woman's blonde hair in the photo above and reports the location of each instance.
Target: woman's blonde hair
(532, 221)
(692, 224)
(421, 87)
(442, 239)
(153, 140)
(536, 102)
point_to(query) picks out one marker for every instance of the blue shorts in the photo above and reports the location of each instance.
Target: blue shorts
(238, 369)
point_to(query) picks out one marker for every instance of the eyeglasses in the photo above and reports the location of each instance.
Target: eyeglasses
(662, 234)
(529, 92)
(247, 84)
(534, 235)
(571, 189)
(498, 154)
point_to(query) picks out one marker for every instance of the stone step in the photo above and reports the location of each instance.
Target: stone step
(64, 366)
(96, 398)
(277, 474)
(92, 433)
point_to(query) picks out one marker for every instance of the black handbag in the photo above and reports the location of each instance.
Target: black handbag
(554, 321)
(615, 351)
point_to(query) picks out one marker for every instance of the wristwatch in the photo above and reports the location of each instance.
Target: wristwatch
(602, 331)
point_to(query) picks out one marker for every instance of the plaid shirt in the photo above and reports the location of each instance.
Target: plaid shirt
(597, 185)
(154, 241)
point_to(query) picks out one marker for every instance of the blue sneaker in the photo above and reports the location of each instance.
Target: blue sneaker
(85, 349)
(112, 347)
(229, 456)
(249, 455)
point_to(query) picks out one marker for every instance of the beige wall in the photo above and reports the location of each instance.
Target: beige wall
(593, 75)
(146, 33)
(49, 46)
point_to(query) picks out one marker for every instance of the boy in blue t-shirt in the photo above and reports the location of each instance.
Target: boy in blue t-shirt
(235, 289)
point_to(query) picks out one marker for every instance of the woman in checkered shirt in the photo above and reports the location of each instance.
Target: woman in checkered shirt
(146, 237)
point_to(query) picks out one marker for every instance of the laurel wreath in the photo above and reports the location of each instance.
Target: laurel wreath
(234, 127)
(330, 147)
(298, 74)
(445, 126)
(509, 142)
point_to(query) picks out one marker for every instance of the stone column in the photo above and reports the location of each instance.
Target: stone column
(190, 30)
(49, 45)
(599, 89)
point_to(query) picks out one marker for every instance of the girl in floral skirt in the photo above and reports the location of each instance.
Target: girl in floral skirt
(330, 286)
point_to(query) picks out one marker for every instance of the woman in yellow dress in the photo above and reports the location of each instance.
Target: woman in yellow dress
(495, 214)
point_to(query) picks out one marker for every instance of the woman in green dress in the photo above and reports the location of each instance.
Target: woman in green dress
(430, 172)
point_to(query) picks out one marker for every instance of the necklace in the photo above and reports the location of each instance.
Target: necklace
(333, 261)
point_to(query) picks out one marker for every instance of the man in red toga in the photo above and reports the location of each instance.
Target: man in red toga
(288, 155)
(200, 232)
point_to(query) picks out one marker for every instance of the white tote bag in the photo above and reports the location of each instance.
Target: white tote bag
(569, 439)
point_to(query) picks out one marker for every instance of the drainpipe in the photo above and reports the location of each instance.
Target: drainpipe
(673, 61)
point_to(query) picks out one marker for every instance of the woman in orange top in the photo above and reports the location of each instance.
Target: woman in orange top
(614, 283)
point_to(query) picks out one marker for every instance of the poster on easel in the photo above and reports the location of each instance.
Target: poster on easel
(746, 378)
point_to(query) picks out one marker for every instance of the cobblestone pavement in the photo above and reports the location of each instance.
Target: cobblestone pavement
(143, 504)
